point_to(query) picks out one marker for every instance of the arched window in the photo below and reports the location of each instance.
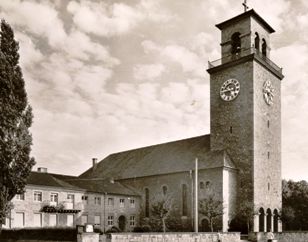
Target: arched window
(257, 42)
(165, 189)
(147, 202)
(276, 216)
(184, 200)
(207, 184)
(264, 47)
(202, 186)
(261, 220)
(235, 43)
(268, 220)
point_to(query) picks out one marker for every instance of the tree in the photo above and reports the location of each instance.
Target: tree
(211, 209)
(294, 205)
(247, 212)
(161, 209)
(15, 121)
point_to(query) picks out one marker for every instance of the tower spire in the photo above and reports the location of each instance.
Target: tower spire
(245, 5)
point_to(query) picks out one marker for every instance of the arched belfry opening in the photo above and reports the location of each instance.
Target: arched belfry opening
(261, 220)
(264, 47)
(257, 42)
(276, 217)
(235, 43)
(268, 220)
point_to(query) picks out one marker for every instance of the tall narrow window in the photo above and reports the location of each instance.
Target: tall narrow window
(257, 42)
(122, 203)
(235, 43)
(268, 123)
(264, 47)
(231, 130)
(37, 196)
(54, 198)
(268, 155)
(165, 189)
(110, 220)
(184, 200)
(147, 202)
(84, 199)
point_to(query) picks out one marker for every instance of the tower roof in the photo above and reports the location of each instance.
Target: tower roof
(250, 13)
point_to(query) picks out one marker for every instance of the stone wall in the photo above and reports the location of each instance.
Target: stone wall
(280, 237)
(179, 237)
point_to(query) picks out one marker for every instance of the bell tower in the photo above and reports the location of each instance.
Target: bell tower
(246, 115)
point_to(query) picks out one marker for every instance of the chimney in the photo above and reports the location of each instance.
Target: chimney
(42, 169)
(94, 163)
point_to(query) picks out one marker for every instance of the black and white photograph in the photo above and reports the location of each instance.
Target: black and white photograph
(153, 121)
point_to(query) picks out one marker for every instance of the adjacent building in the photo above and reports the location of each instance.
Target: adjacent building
(66, 201)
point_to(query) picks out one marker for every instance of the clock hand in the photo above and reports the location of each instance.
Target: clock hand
(228, 90)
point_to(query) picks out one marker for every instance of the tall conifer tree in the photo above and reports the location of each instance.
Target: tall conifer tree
(15, 121)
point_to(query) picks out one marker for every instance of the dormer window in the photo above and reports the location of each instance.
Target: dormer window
(257, 42)
(264, 47)
(235, 43)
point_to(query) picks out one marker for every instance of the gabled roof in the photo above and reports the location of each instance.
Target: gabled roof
(250, 13)
(171, 157)
(48, 179)
(74, 183)
(103, 186)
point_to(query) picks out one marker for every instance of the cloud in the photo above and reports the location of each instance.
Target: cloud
(187, 59)
(148, 72)
(107, 20)
(41, 19)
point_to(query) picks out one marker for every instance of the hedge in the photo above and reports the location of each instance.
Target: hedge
(57, 234)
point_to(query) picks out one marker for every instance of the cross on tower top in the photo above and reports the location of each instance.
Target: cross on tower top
(245, 5)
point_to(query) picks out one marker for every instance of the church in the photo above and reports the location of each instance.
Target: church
(240, 160)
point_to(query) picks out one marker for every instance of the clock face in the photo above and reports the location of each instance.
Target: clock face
(230, 89)
(268, 92)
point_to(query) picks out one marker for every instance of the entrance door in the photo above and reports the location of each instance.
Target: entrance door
(122, 223)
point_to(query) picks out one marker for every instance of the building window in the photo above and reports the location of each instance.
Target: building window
(268, 123)
(37, 196)
(84, 219)
(53, 220)
(235, 43)
(231, 130)
(37, 221)
(122, 202)
(132, 203)
(165, 189)
(97, 200)
(19, 220)
(54, 198)
(97, 220)
(207, 184)
(70, 198)
(268, 155)
(264, 47)
(184, 200)
(70, 220)
(257, 42)
(84, 199)
(110, 220)
(202, 185)
(132, 220)
(147, 202)
(268, 186)
(20, 196)
(110, 201)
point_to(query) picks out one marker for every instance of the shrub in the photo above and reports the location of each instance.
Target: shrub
(60, 234)
(113, 229)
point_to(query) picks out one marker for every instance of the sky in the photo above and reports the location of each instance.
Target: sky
(108, 76)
